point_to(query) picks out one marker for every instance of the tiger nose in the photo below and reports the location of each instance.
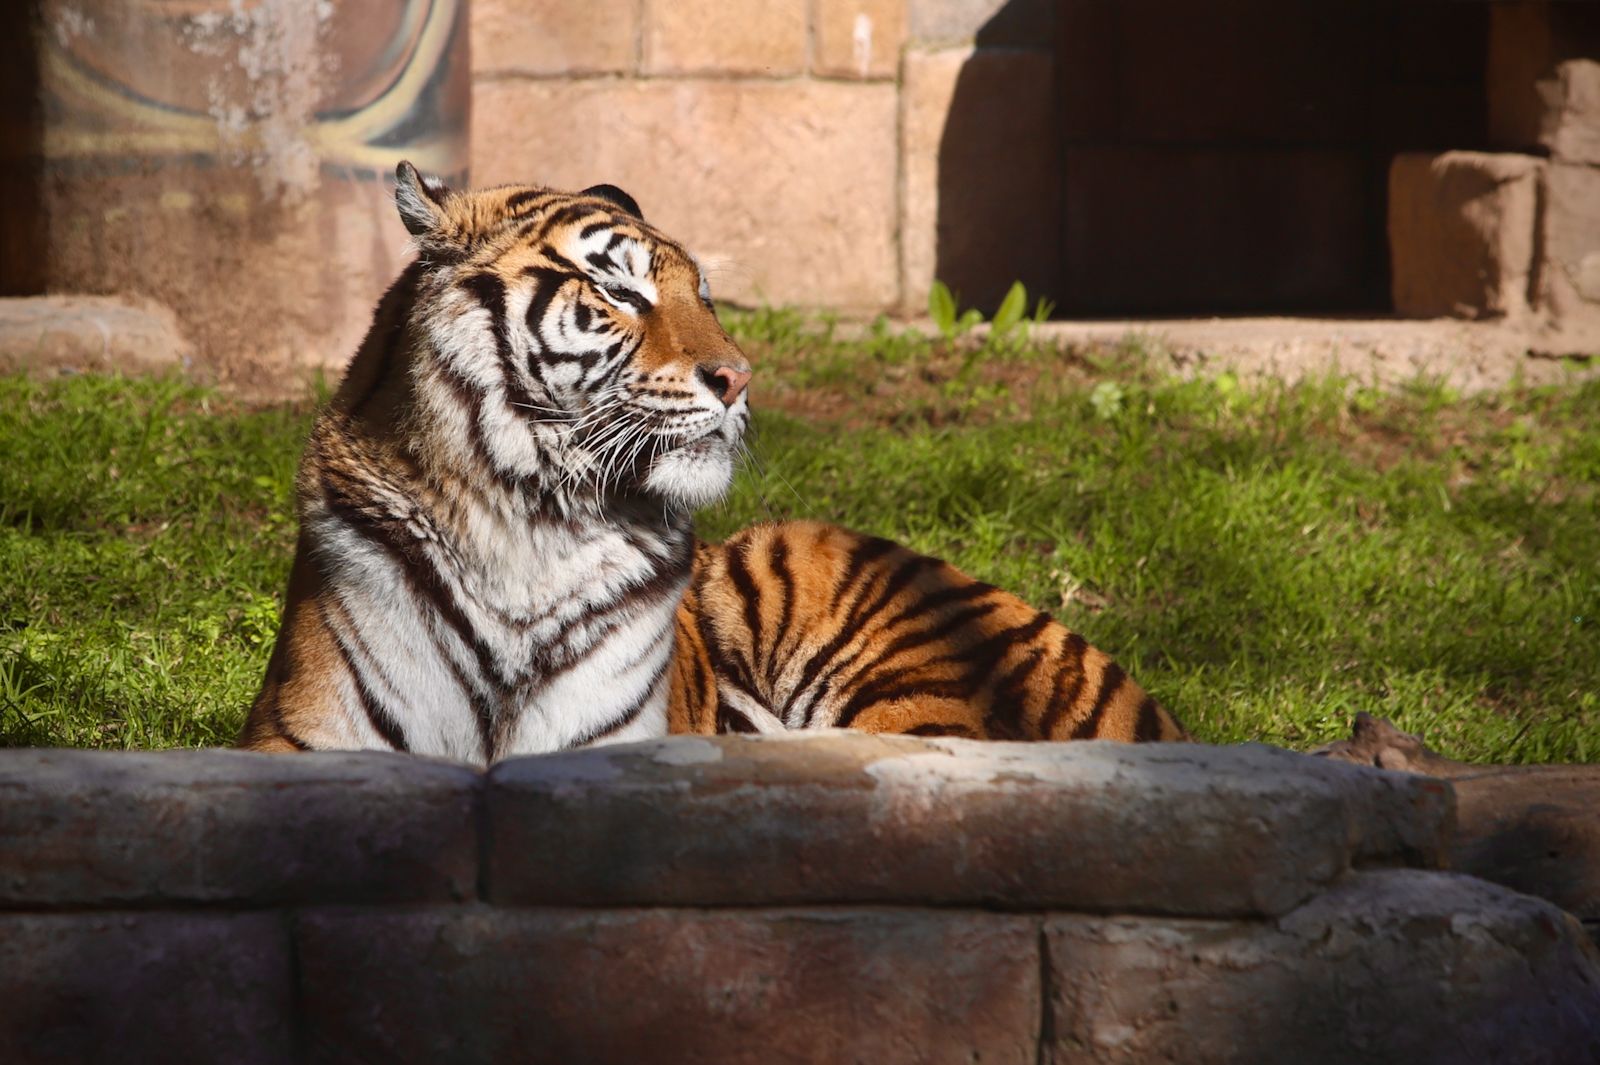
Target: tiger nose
(726, 382)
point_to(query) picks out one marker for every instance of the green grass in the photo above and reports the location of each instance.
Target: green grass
(145, 531)
(1266, 559)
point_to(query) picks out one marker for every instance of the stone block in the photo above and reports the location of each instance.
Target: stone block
(484, 985)
(145, 987)
(560, 37)
(99, 333)
(814, 818)
(1541, 77)
(1461, 232)
(763, 38)
(82, 828)
(714, 164)
(858, 38)
(1399, 966)
(980, 207)
(1533, 829)
(1570, 271)
(1571, 126)
(1213, 230)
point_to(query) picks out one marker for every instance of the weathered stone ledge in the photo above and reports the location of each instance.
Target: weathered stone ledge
(1101, 827)
(54, 334)
(1096, 827)
(815, 897)
(101, 828)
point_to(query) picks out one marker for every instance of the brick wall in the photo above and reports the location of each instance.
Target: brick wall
(761, 132)
(804, 149)
(793, 899)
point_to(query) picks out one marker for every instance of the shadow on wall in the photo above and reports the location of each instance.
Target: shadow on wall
(22, 221)
(1162, 157)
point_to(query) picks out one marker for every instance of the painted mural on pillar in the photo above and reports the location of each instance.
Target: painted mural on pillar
(285, 87)
(234, 160)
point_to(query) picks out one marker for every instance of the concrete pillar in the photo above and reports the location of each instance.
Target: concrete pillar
(232, 161)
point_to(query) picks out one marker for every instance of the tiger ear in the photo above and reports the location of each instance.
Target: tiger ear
(616, 196)
(421, 204)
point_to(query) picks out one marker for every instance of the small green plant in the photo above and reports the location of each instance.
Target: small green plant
(1009, 316)
(1009, 330)
(946, 317)
(1107, 399)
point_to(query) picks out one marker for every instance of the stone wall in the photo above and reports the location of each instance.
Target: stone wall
(761, 132)
(1144, 157)
(1141, 157)
(1514, 231)
(823, 153)
(792, 899)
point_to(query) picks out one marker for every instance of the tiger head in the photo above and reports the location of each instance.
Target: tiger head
(570, 345)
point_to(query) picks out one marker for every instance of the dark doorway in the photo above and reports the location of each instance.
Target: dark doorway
(1218, 158)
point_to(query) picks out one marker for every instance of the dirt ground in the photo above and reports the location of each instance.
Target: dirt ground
(1470, 356)
(63, 334)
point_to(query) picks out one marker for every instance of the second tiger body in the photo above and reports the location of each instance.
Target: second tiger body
(807, 625)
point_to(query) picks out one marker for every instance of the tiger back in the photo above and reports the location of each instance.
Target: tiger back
(806, 625)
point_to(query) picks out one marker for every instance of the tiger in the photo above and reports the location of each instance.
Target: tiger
(802, 624)
(496, 552)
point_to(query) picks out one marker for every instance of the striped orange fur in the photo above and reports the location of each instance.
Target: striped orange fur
(807, 625)
(496, 550)
(495, 509)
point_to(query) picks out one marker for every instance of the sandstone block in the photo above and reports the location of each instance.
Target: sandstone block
(858, 38)
(49, 333)
(564, 37)
(1542, 78)
(757, 37)
(1571, 122)
(145, 987)
(713, 163)
(484, 985)
(1570, 272)
(1399, 966)
(1461, 232)
(96, 827)
(981, 203)
(811, 818)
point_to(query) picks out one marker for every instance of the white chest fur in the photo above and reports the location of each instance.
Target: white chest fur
(507, 634)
